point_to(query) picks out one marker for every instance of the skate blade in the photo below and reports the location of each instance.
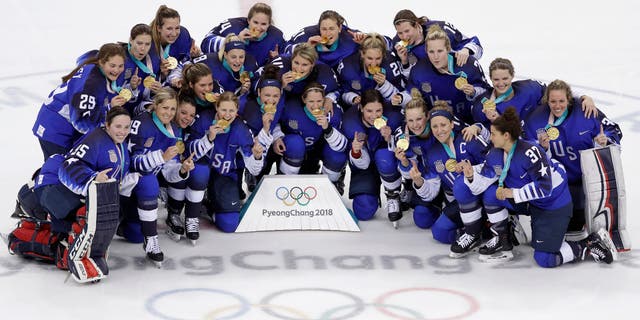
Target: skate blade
(455, 255)
(174, 236)
(606, 239)
(193, 242)
(395, 225)
(158, 264)
(501, 256)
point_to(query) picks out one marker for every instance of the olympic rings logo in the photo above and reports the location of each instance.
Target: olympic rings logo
(393, 304)
(296, 195)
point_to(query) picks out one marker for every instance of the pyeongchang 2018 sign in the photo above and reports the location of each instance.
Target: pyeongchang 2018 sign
(302, 202)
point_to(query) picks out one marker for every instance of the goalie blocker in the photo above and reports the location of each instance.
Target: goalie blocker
(92, 233)
(604, 188)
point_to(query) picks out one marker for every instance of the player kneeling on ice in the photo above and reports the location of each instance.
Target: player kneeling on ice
(528, 182)
(79, 192)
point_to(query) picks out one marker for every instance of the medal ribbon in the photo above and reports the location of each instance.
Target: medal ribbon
(322, 48)
(227, 67)
(558, 121)
(165, 54)
(450, 67)
(507, 164)
(264, 35)
(309, 114)
(163, 129)
(145, 68)
(115, 86)
(501, 97)
(450, 152)
(370, 76)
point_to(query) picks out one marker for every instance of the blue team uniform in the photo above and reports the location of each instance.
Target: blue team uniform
(527, 95)
(258, 48)
(354, 79)
(179, 49)
(220, 163)
(74, 108)
(364, 187)
(149, 66)
(228, 80)
(307, 143)
(434, 85)
(343, 47)
(64, 180)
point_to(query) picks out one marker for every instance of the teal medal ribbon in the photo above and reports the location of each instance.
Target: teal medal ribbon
(165, 53)
(201, 102)
(309, 114)
(163, 129)
(264, 35)
(447, 149)
(502, 97)
(558, 121)
(115, 87)
(146, 69)
(507, 164)
(450, 67)
(227, 67)
(322, 48)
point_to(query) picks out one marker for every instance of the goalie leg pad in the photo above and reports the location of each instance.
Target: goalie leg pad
(33, 239)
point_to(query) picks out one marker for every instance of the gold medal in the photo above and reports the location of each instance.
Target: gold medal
(450, 165)
(173, 63)
(379, 123)
(317, 112)
(254, 33)
(488, 105)
(402, 144)
(324, 40)
(209, 96)
(553, 133)
(374, 69)
(180, 146)
(460, 82)
(126, 94)
(270, 108)
(148, 81)
(244, 76)
(403, 43)
(499, 193)
(223, 123)
(297, 75)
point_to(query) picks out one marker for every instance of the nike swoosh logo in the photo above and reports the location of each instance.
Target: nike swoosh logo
(539, 241)
(523, 175)
(584, 132)
(234, 203)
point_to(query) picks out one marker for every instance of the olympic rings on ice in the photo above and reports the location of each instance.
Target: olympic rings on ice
(296, 195)
(279, 310)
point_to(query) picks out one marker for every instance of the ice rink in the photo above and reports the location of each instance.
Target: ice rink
(378, 273)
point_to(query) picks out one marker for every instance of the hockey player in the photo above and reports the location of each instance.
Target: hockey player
(531, 183)
(371, 67)
(301, 68)
(563, 129)
(196, 81)
(331, 38)
(156, 146)
(171, 41)
(80, 103)
(369, 128)
(229, 136)
(262, 38)
(262, 115)
(63, 184)
(309, 135)
(440, 78)
(524, 95)
(410, 36)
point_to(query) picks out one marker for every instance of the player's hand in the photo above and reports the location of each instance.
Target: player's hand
(118, 101)
(214, 129)
(135, 80)
(328, 105)
(402, 156)
(589, 107)
(356, 100)
(278, 147)
(491, 114)
(288, 77)
(267, 119)
(170, 153)
(415, 174)
(543, 138)
(356, 144)
(470, 132)
(246, 84)
(245, 34)
(469, 90)
(358, 37)
(385, 132)
(257, 149)
(103, 175)
(403, 53)
(379, 78)
(177, 82)
(396, 99)
(164, 66)
(187, 164)
(322, 121)
(601, 138)
(465, 167)
(313, 40)
(194, 51)
(462, 56)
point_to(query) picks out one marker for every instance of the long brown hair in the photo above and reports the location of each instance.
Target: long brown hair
(107, 51)
(163, 12)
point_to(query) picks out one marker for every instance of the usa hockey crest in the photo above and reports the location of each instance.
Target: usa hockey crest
(426, 87)
(293, 124)
(355, 84)
(149, 142)
(128, 73)
(497, 169)
(112, 156)
(439, 166)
